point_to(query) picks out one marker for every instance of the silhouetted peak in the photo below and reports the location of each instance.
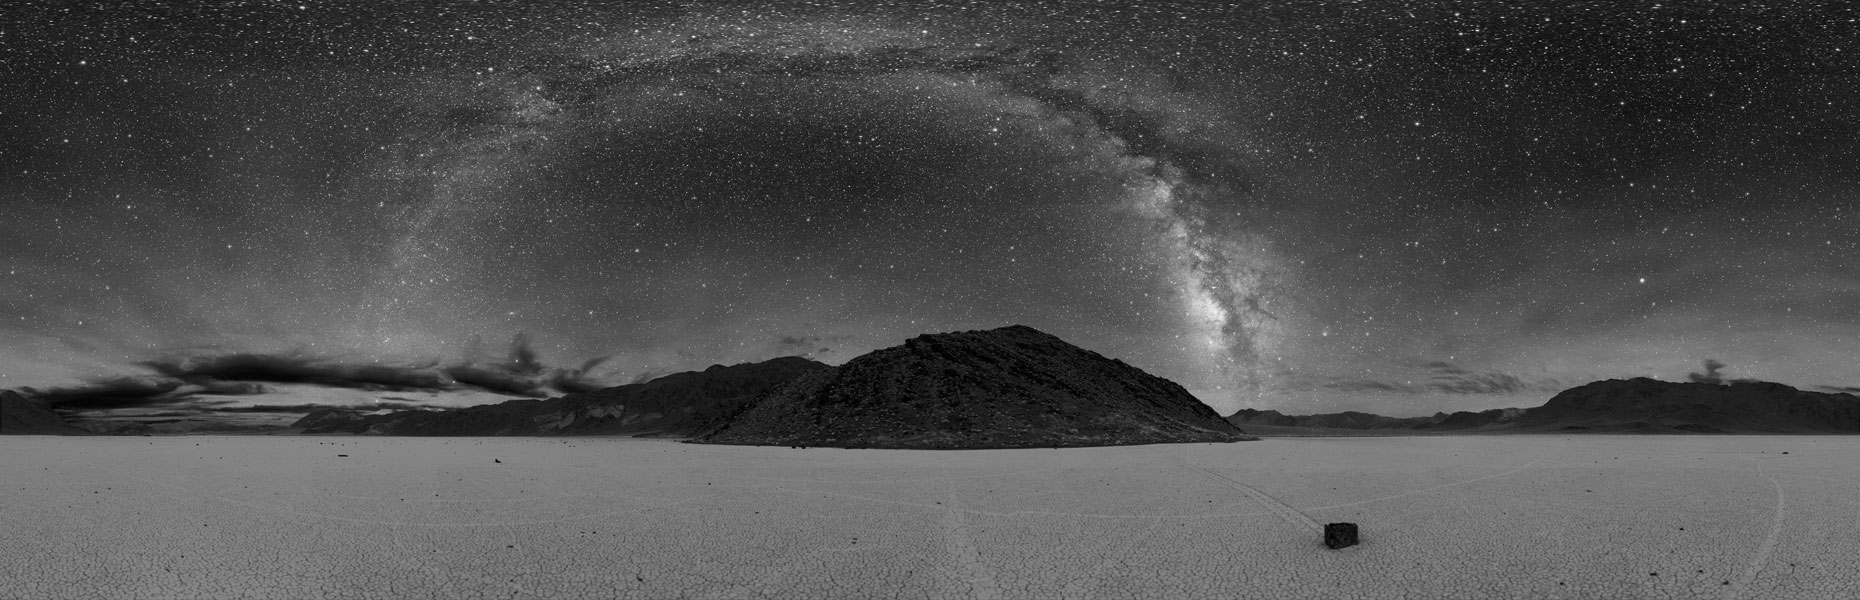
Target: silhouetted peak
(1008, 332)
(1739, 405)
(789, 360)
(1013, 386)
(20, 415)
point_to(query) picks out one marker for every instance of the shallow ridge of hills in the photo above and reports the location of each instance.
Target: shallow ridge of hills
(1638, 405)
(679, 404)
(1013, 387)
(1651, 405)
(21, 416)
(1457, 421)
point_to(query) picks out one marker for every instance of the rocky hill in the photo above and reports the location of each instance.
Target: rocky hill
(1651, 405)
(1013, 387)
(674, 405)
(20, 416)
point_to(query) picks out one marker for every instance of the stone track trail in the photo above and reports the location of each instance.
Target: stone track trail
(1430, 489)
(1291, 515)
(973, 575)
(1085, 586)
(1014, 513)
(1741, 587)
(1298, 519)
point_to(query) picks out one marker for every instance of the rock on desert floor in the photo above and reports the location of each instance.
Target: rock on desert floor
(1500, 516)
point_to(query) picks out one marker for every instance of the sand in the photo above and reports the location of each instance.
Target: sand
(1476, 517)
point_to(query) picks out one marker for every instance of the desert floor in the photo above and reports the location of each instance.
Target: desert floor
(1473, 517)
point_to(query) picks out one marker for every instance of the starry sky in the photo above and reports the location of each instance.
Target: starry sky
(1398, 207)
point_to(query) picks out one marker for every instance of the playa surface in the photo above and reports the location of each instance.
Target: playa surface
(1474, 516)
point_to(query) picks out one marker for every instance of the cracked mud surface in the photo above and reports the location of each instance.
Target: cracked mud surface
(1510, 516)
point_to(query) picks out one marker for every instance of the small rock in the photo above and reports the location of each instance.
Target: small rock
(1339, 535)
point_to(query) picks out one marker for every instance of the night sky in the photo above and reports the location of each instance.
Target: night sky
(1399, 207)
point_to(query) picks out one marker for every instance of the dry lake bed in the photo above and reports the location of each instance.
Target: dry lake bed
(1441, 517)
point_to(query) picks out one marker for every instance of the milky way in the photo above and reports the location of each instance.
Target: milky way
(1397, 208)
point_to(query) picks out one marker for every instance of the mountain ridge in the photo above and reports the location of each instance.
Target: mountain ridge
(22, 416)
(1010, 387)
(1636, 405)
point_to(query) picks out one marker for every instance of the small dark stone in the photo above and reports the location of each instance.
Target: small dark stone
(1339, 535)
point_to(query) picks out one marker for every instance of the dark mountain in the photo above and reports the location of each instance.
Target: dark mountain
(1462, 420)
(674, 405)
(20, 416)
(1472, 420)
(1638, 405)
(1013, 387)
(1650, 405)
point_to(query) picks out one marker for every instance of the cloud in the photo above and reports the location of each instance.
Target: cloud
(231, 388)
(579, 379)
(1710, 375)
(111, 392)
(271, 408)
(1446, 378)
(1351, 385)
(304, 408)
(522, 372)
(186, 382)
(800, 345)
(494, 378)
(295, 368)
(651, 374)
(523, 357)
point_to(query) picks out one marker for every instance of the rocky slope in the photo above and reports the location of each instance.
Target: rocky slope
(20, 416)
(1013, 387)
(1650, 405)
(674, 405)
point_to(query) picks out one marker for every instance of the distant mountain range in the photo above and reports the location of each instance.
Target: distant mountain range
(1642, 404)
(1638, 405)
(1008, 387)
(1361, 420)
(1001, 388)
(680, 404)
(1013, 387)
